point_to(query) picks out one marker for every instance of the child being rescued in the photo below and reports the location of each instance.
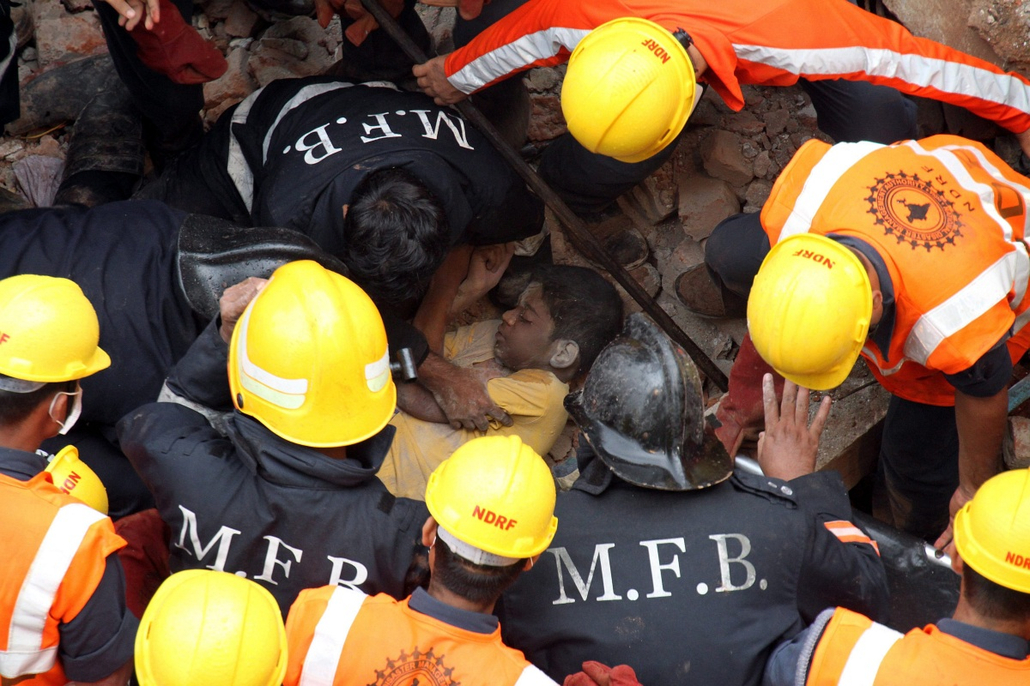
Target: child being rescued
(562, 320)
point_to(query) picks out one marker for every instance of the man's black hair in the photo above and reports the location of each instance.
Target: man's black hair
(993, 600)
(397, 236)
(475, 583)
(15, 407)
(585, 308)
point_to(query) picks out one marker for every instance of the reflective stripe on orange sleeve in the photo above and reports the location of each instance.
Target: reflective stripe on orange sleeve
(847, 532)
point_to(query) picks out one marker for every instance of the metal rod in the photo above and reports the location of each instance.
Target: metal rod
(581, 237)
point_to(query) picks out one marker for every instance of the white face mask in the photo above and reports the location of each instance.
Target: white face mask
(74, 409)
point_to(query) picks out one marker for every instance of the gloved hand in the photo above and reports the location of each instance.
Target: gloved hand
(597, 674)
(174, 48)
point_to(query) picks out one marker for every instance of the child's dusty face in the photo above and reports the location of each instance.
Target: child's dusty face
(524, 338)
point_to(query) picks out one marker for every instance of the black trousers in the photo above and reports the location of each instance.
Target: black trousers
(919, 453)
(169, 109)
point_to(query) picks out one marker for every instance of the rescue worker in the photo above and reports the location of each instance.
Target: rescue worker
(288, 496)
(381, 178)
(668, 560)
(912, 255)
(987, 641)
(62, 601)
(492, 515)
(207, 627)
(635, 112)
(164, 61)
(156, 275)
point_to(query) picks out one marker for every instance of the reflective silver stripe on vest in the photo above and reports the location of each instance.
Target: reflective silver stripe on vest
(531, 676)
(12, 51)
(514, 56)
(330, 635)
(303, 95)
(236, 164)
(948, 77)
(867, 655)
(954, 314)
(826, 172)
(988, 198)
(25, 653)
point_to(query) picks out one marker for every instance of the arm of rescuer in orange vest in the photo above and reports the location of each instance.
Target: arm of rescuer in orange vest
(981, 430)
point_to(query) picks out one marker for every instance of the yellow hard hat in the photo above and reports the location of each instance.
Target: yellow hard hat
(992, 531)
(628, 89)
(74, 477)
(494, 495)
(309, 359)
(48, 330)
(208, 627)
(809, 310)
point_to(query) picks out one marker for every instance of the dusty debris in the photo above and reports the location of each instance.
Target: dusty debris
(726, 161)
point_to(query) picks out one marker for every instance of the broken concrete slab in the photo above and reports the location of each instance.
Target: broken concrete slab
(704, 202)
(647, 204)
(723, 158)
(61, 37)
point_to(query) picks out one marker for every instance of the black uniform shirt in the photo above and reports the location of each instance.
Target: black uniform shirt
(687, 588)
(296, 150)
(254, 504)
(123, 256)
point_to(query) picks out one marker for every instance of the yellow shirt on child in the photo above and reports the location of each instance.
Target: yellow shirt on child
(533, 397)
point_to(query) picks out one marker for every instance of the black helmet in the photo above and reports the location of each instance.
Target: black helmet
(642, 411)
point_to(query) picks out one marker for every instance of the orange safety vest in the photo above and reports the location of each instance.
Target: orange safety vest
(948, 217)
(856, 651)
(55, 551)
(340, 636)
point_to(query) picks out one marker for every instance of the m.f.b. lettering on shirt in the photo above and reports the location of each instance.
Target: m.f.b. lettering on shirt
(731, 570)
(326, 140)
(279, 560)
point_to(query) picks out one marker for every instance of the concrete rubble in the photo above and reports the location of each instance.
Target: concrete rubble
(725, 163)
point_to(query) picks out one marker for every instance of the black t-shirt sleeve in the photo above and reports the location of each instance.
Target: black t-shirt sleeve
(988, 375)
(100, 639)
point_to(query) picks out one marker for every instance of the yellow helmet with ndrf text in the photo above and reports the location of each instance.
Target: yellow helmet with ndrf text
(992, 531)
(73, 476)
(309, 359)
(208, 627)
(809, 310)
(494, 501)
(628, 89)
(48, 330)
